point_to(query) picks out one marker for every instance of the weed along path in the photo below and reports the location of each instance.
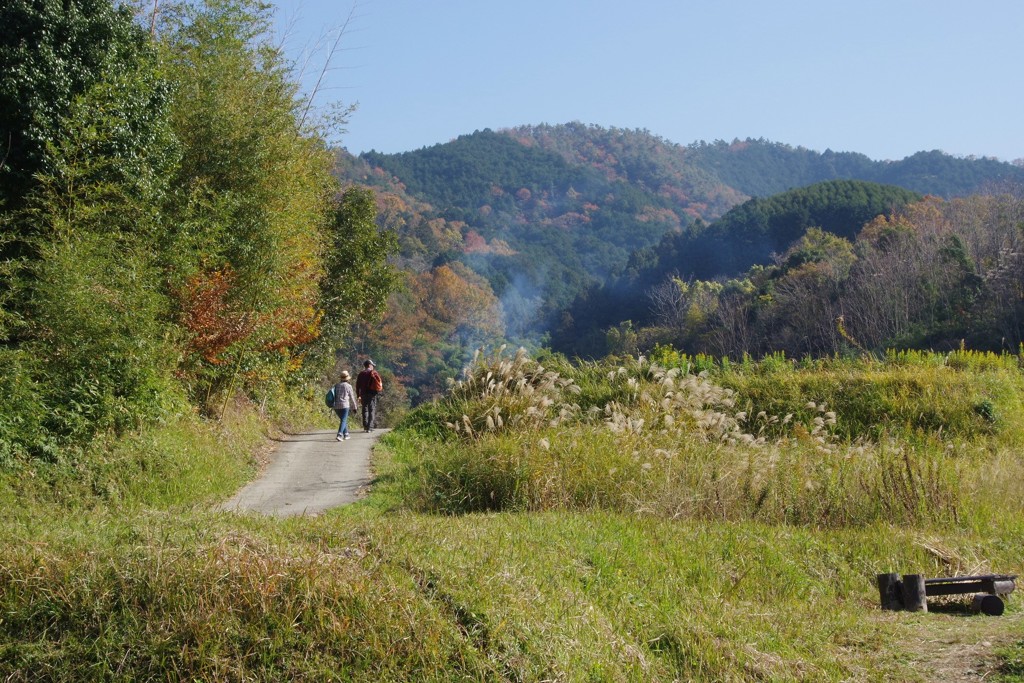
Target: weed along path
(309, 473)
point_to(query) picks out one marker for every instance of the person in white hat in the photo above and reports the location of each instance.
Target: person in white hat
(344, 403)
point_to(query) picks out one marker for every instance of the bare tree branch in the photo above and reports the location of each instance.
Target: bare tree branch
(335, 47)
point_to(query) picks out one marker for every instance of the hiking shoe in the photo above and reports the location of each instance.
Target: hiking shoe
(339, 437)
(346, 437)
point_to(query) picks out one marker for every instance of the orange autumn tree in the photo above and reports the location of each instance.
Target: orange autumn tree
(213, 323)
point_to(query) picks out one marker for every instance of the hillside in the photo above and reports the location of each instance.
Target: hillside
(748, 235)
(760, 168)
(532, 223)
(751, 233)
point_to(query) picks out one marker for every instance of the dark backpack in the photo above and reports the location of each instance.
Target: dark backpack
(329, 398)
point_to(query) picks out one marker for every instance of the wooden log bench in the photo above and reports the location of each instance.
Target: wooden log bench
(913, 590)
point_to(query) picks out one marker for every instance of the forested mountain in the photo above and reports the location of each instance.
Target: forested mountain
(561, 232)
(760, 168)
(711, 178)
(538, 227)
(753, 231)
(935, 274)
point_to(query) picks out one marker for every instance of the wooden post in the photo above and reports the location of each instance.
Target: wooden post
(987, 603)
(890, 591)
(914, 597)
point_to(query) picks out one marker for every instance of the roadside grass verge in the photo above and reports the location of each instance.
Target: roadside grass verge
(184, 462)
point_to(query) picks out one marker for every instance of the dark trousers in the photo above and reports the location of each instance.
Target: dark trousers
(369, 407)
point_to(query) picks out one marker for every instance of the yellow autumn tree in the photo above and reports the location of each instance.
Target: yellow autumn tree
(465, 302)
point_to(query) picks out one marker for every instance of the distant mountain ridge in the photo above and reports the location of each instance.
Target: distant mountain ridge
(758, 168)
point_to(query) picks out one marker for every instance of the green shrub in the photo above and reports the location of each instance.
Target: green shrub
(106, 362)
(875, 400)
(22, 413)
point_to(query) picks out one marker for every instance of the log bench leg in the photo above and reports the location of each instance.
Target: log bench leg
(914, 597)
(986, 603)
(890, 591)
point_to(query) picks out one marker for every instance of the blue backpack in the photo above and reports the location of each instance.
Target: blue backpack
(329, 398)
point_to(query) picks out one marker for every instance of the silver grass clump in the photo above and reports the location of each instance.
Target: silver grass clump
(497, 394)
(500, 394)
(668, 401)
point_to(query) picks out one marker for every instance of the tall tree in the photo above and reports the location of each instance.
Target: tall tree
(255, 193)
(357, 275)
(50, 53)
(86, 345)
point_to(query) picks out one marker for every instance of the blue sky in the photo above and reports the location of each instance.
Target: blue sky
(886, 78)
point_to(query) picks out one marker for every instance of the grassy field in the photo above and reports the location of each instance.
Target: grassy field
(615, 521)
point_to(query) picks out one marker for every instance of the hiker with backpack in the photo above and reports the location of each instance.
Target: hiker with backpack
(343, 400)
(368, 385)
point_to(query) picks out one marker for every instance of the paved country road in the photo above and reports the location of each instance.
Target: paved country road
(309, 473)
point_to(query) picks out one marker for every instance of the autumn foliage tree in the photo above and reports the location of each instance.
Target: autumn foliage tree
(462, 301)
(254, 197)
(940, 272)
(432, 325)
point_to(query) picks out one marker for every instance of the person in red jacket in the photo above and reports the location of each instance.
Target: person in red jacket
(368, 387)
